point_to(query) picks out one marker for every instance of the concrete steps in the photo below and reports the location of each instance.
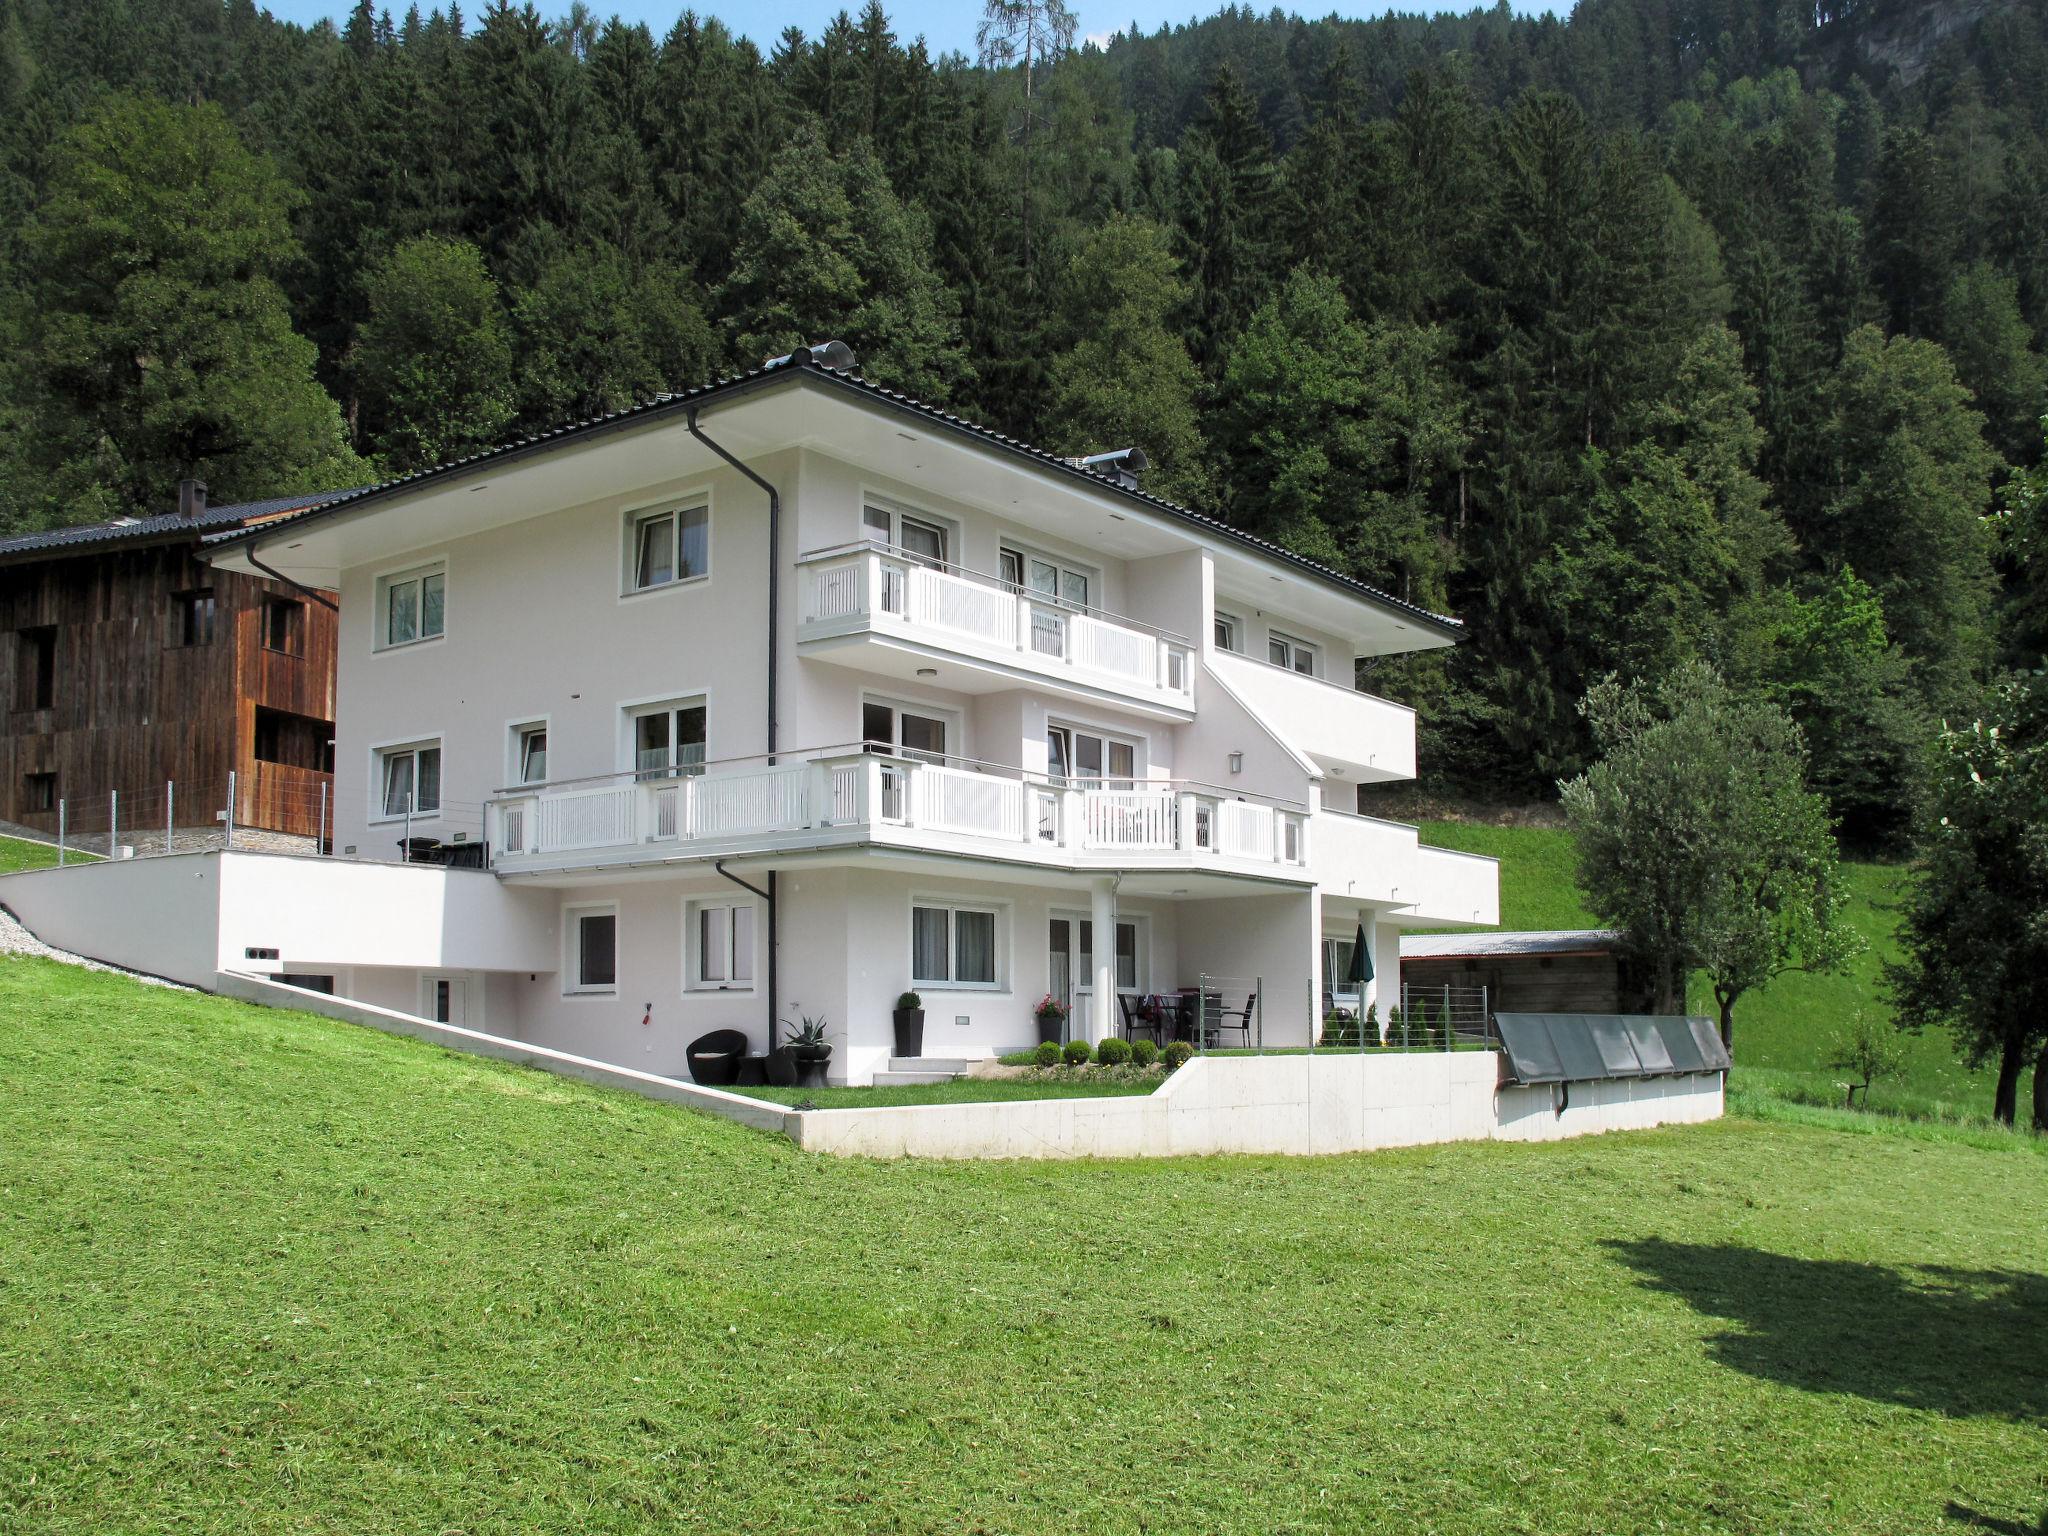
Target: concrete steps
(921, 1069)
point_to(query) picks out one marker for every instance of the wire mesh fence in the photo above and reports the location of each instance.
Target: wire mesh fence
(1426, 1018)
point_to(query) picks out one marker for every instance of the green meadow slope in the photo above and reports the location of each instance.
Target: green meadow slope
(266, 1273)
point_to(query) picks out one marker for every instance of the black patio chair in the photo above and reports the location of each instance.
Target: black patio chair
(715, 1058)
(1136, 1023)
(1219, 1020)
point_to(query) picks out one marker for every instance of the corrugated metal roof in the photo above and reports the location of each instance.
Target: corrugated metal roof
(1476, 946)
(214, 522)
(850, 381)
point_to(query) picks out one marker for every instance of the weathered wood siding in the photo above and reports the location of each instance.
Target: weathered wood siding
(1534, 983)
(132, 707)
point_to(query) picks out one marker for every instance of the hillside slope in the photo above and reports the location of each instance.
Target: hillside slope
(269, 1273)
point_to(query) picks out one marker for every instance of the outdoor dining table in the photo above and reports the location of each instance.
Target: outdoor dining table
(1171, 1013)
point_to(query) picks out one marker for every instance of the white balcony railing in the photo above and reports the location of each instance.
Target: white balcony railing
(857, 795)
(868, 587)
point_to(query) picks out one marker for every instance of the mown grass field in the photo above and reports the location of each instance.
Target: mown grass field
(262, 1272)
(1784, 1032)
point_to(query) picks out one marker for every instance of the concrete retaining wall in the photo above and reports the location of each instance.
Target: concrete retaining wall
(1303, 1105)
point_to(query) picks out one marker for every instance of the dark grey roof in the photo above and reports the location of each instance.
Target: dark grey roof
(801, 363)
(214, 522)
(1476, 946)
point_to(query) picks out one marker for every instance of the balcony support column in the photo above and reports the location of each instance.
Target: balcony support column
(1102, 922)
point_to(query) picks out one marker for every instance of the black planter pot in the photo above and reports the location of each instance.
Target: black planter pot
(810, 1070)
(1048, 1029)
(782, 1067)
(909, 1031)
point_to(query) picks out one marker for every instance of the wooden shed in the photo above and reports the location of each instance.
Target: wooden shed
(1571, 971)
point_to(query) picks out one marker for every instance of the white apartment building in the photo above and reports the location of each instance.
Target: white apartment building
(786, 695)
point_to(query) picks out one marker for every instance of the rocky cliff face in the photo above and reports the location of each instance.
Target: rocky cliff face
(1905, 37)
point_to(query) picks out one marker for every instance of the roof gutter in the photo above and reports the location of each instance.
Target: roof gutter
(310, 593)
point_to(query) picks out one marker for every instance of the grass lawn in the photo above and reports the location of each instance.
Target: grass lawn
(17, 853)
(966, 1091)
(1783, 1033)
(261, 1272)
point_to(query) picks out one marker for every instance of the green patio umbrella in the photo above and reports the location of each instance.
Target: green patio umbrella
(1361, 959)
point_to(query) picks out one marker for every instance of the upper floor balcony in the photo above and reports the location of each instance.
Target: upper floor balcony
(1357, 736)
(886, 611)
(843, 797)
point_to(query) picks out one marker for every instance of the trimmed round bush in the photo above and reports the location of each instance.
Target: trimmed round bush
(1077, 1053)
(1144, 1052)
(1047, 1054)
(1177, 1055)
(1113, 1052)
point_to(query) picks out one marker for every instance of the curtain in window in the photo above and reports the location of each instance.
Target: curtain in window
(1127, 956)
(974, 947)
(714, 944)
(695, 525)
(404, 623)
(742, 943)
(397, 783)
(928, 944)
(428, 796)
(657, 554)
(433, 603)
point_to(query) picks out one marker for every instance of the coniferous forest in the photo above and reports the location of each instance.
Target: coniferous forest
(1682, 330)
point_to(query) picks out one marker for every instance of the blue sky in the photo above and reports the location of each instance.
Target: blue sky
(945, 26)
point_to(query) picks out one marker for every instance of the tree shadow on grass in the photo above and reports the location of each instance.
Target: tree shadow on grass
(1976, 1520)
(1966, 1343)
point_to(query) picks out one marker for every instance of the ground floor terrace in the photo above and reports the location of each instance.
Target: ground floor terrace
(631, 965)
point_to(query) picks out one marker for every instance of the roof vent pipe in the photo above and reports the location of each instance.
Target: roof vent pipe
(835, 355)
(1123, 465)
(191, 498)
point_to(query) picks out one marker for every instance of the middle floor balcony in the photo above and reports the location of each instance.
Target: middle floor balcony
(852, 796)
(896, 614)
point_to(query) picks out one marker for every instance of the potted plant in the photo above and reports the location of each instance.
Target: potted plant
(811, 1051)
(909, 1017)
(1051, 1014)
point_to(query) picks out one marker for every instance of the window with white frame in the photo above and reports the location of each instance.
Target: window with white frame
(530, 753)
(911, 729)
(1043, 576)
(409, 780)
(953, 946)
(1295, 655)
(592, 961)
(412, 606)
(667, 738)
(922, 538)
(1076, 752)
(720, 943)
(667, 545)
(1229, 633)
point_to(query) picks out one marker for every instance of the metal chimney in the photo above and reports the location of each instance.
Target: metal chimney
(1123, 465)
(835, 355)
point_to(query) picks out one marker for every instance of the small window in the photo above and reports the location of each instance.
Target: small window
(594, 951)
(306, 981)
(1295, 655)
(530, 754)
(721, 944)
(284, 626)
(1229, 634)
(192, 615)
(952, 946)
(39, 792)
(35, 684)
(410, 777)
(412, 606)
(668, 739)
(668, 546)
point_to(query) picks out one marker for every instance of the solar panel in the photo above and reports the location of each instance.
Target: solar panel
(1590, 1047)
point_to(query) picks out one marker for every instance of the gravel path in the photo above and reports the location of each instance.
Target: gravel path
(17, 940)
